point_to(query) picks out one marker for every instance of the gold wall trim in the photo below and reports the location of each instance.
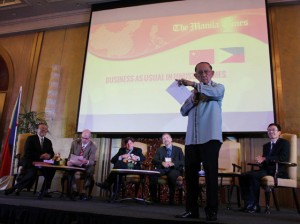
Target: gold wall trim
(276, 66)
(32, 73)
(9, 63)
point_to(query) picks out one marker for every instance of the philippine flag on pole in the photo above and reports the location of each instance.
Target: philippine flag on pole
(7, 151)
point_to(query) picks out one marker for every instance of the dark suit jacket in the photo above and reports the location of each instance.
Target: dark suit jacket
(136, 151)
(177, 157)
(33, 150)
(280, 152)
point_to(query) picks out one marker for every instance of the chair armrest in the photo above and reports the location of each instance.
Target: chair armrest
(236, 168)
(276, 170)
(285, 163)
(253, 165)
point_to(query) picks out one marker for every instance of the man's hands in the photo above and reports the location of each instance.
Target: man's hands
(260, 159)
(45, 156)
(185, 82)
(167, 164)
(125, 156)
(131, 157)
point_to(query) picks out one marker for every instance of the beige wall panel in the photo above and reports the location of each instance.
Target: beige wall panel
(72, 66)
(65, 48)
(51, 51)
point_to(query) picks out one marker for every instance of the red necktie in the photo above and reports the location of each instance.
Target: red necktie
(81, 151)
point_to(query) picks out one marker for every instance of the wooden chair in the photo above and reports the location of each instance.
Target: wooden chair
(19, 155)
(229, 169)
(163, 180)
(270, 183)
(134, 179)
(79, 181)
(20, 147)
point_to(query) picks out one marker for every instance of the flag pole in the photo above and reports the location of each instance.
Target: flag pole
(15, 134)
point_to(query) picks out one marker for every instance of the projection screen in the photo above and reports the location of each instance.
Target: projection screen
(134, 53)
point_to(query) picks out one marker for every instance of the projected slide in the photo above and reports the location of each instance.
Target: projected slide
(135, 53)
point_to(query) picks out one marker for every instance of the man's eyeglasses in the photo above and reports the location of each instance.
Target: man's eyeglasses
(272, 130)
(85, 138)
(203, 72)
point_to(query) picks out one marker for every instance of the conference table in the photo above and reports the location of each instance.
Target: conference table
(143, 174)
(69, 169)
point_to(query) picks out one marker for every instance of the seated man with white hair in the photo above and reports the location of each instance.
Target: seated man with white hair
(87, 149)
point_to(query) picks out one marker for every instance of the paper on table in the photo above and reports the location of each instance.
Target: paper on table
(76, 159)
(50, 161)
(180, 93)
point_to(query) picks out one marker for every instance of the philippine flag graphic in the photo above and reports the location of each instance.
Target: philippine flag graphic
(233, 55)
(220, 55)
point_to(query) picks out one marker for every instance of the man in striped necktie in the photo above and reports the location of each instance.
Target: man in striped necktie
(86, 149)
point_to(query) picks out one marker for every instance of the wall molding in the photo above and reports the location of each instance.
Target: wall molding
(69, 19)
(45, 22)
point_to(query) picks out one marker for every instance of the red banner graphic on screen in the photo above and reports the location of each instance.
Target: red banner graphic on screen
(140, 38)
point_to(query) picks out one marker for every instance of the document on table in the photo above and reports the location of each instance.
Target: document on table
(76, 159)
(50, 161)
(180, 93)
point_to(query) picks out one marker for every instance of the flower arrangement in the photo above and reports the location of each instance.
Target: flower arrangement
(57, 159)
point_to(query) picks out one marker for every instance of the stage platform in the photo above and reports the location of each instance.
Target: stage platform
(27, 209)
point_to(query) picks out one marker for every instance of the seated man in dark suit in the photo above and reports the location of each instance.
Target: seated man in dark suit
(169, 161)
(121, 159)
(37, 148)
(276, 150)
(87, 149)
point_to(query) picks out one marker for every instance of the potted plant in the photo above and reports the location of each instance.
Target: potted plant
(28, 121)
